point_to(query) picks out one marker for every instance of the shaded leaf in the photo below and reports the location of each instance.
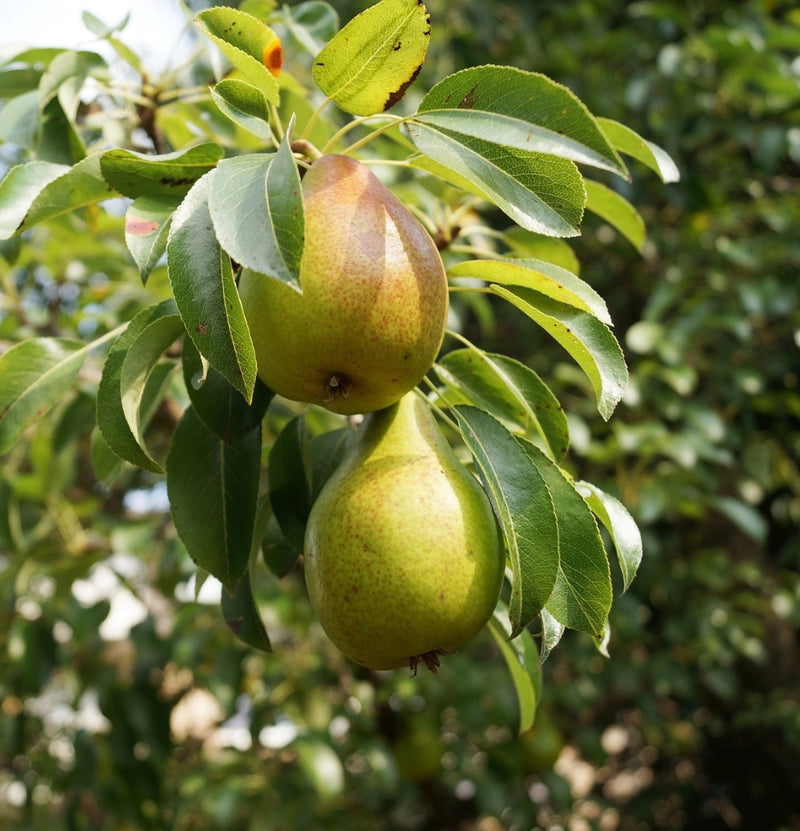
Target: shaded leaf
(552, 632)
(620, 525)
(205, 292)
(526, 110)
(213, 493)
(588, 340)
(289, 489)
(524, 507)
(34, 376)
(147, 222)
(368, 65)
(617, 211)
(242, 616)
(245, 105)
(312, 23)
(507, 389)
(540, 192)
(169, 174)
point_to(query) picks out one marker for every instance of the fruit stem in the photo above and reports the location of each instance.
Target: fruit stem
(395, 122)
(357, 122)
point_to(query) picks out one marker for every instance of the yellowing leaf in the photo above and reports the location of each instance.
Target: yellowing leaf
(368, 66)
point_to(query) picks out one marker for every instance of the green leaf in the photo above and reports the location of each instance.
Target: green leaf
(65, 77)
(368, 66)
(540, 192)
(34, 376)
(279, 556)
(37, 191)
(524, 507)
(219, 405)
(552, 632)
(526, 110)
(248, 43)
(245, 105)
(325, 452)
(147, 222)
(141, 357)
(507, 389)
(620, 525)
(169, 174)
(581, 597)
(256, 205)
(205, 292)
(19, 121)
(213, 493)
(588, 340)
(631, 143)
(312, 24)
(523, 663)
(617, 211)
(546, 278)
(289, 489)
(242, 616)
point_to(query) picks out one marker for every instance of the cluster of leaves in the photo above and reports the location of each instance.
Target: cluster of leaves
(209, 209)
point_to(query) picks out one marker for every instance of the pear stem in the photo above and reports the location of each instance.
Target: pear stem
(375, 133)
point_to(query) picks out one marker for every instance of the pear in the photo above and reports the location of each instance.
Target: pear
(369, 318)
(403, 560)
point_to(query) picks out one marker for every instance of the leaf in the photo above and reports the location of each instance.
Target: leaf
(33, 192)
(507, 389)
(141, 357)
(523, 506)
(245, 105)
(368, 65)
(525, 110)
(581, 597)
(588, 340)
(617, 211)
(325, 453)
(65, 76)
(213, 493)
(248, 43)
(552, 632)
(34, 376)
(629, 142)
(256, 206)
(205, 292)
(312, 23)
(219, 405)
(542, 193)
(242, 616)
(289, 489)
(169, 174)
(620, 525)
(147, 222)
(522, 660)
(110, 416)
(547, 278)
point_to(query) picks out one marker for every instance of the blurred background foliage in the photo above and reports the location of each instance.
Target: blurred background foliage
(125, 703)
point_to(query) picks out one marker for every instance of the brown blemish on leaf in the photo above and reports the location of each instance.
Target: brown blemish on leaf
(202, 328)
(140, 227)
(395, 96)
(468, 101)
(272, 57)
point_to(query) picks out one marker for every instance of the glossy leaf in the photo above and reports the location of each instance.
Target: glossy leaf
(581, 597)
(213, 492)
(141, 357)
(524, 508)
(620, 525)
(632, 144)
(219, 405)
(245, 105)
(588, 340)
(617, 211)
(522, 659)
(507, 389)
(147, 222)
(544, 277)
(551, 634)
(205, 292)
(170, 174)
(242, 616)
(289, 488)
(369, 64)
(34, 376)
(111, 421)
(524, 110)
(542, 193)
(248, 43)
(33, 192)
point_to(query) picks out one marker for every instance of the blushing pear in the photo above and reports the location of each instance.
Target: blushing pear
(369, 318)
(403, 559)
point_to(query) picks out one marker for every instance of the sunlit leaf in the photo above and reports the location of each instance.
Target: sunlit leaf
(245, 105)
(632, 144)
(367, 67)
(617, 211)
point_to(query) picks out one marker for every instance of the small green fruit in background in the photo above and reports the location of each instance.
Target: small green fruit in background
(403, 559)
(370, 316)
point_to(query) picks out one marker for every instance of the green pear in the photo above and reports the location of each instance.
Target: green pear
(403, 559)
(369, 318)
